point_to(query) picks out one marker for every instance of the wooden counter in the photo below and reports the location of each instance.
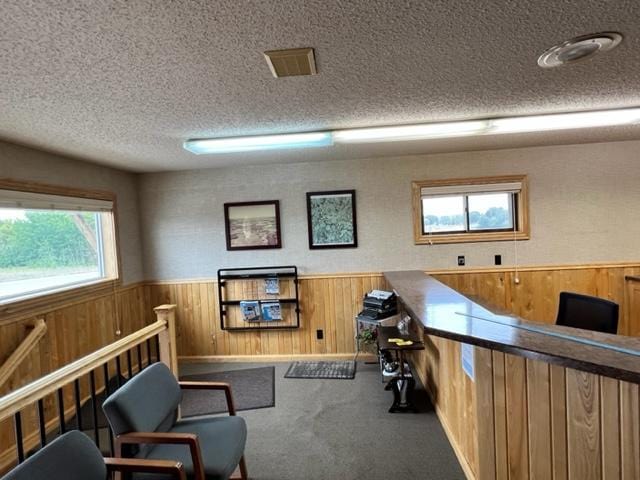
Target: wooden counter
(543, 402)
(446, 313)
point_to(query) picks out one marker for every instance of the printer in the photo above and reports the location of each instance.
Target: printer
(378, 304)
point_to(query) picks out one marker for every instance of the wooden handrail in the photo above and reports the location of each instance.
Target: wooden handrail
(27, 395)
(38, 330)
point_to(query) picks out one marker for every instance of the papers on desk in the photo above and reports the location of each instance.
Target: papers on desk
(400, 342)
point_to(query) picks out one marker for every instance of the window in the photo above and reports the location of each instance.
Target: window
(470, 210)
(51, 242)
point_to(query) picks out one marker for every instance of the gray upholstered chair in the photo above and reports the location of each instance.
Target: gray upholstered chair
(73, 456)
(143, 415)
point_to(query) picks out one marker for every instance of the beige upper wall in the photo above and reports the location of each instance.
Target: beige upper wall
(583, 207)
(22, 163)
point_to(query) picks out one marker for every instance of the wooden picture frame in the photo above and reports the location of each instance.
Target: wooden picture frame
(331, 219)
(252, 225)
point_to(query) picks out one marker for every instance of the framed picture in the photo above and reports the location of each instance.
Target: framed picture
(252, 225)
(331, 218)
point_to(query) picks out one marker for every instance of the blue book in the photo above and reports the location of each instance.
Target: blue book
(250, 310)
(271, 311)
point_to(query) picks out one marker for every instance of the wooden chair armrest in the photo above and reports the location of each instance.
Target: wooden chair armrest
(213, 386)
(189, 439)
(129, 465)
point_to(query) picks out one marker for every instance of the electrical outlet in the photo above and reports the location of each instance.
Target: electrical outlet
(498, 259)
(319, 334)
(460, 260)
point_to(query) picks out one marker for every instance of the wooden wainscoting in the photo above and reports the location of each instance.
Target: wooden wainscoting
(73, 330)
(550, 422)
(536, 296)
(529, 420)
(327, 303)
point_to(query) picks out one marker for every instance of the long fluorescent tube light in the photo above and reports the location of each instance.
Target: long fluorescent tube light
(564, 121)
(495, 126)
(256, 143)
(410, 132)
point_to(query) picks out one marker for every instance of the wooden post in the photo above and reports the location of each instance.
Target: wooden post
(168, 347)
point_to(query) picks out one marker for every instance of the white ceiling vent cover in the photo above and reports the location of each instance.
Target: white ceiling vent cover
(291, 62)
(579, 48)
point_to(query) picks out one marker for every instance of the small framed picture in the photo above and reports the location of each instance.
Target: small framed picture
(252, 225)
(331, 218)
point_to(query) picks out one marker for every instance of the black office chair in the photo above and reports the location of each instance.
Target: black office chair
(588, 313)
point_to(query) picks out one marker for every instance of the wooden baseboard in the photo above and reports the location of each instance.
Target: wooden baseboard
(365, 357)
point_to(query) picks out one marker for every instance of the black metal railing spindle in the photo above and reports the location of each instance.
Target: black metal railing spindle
(129, 366)
(41, 424)
(78, 402)
(148, 351)
(94, 407)
(157, 348)
(17, 423)
(139, 352)
(107, 390)
(63, 428)
(118, 371)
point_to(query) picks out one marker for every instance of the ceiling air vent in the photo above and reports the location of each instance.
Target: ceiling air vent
(291, 62)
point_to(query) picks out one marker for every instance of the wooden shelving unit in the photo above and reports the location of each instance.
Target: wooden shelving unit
(236, 285)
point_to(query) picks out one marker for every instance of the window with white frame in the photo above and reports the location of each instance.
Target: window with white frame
(470, 210)
(51, 242)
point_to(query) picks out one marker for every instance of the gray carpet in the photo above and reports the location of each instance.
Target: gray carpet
(252, 388)
(343, 370)
(323, 429)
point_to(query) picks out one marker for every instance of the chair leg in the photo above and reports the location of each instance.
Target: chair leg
(242, 466)
(243, 469)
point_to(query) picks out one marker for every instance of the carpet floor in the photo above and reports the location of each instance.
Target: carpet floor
(332, 429)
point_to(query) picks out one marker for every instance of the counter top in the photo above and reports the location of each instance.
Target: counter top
(447, 313)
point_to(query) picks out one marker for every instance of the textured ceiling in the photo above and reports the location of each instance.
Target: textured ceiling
(124, 83)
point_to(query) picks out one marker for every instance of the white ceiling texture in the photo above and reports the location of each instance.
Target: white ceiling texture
(124, 83)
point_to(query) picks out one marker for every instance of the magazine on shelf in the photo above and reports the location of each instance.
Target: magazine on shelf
(250, 310)
(271, 311)
(271, 286)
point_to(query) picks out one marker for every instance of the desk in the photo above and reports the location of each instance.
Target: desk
(539, 404)
(401, 385)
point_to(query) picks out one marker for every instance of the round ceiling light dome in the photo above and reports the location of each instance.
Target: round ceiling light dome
(579, 48)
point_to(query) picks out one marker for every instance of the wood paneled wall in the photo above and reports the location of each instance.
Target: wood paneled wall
(73, 330)
(528, 420)
(536, 296)
(328, 303)
(524, 419)
(550, 422)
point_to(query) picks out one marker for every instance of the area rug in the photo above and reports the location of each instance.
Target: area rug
(338, 370)
(252, 388)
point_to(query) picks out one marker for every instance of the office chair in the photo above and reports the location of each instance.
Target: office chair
(143, 415)
(586, 312)
(73, 456)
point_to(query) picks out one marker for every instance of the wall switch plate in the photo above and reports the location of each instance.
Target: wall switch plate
(319, 334)
(460, 260)
(498, 259)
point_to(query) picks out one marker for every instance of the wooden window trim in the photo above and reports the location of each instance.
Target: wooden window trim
(521, 206)
(64, 294)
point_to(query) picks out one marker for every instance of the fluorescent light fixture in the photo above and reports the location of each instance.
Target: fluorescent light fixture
(495, 126)
(257, 143)
(564, 121)
(410, 132)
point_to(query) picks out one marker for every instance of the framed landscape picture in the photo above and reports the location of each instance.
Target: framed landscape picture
(331, 218)
(252, 225)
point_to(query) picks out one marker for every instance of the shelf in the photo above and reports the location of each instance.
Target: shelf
(262, 300)
(257, 275)
(251, 274)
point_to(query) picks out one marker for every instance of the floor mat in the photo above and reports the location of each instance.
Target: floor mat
(340, 370)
